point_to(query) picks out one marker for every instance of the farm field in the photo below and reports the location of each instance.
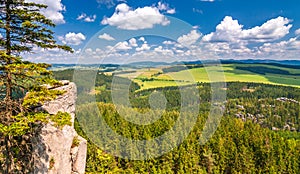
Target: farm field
(257, 73)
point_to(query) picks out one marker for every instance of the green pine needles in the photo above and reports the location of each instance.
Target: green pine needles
(23, 84)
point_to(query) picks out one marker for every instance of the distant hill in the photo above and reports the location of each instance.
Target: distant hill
(145, 64)
(266, 61)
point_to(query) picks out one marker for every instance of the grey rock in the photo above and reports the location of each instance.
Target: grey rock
(53, 152)
(78, 156)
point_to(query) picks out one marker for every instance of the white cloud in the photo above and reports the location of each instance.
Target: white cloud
(189, 39)
(283, 46)
(53, 11)
(171, 11)
(51, 55)
(168, 42)
(132, 42)
(1, 36)
(121, 46)
(106, 36)
(163, 51)
(230, 30)
(271, 30)
(86, 18)
(231, 40)
(82, 16)
(165, 7)
(72, 38)
(127, 18)
(196, 27)
(157, 55)
(208, 0)
(162, 6)
(227, 30)
(289, 49)
(297, 32)
(144, 47)
(142, 39)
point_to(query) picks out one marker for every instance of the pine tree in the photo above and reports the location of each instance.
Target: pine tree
(22, 83)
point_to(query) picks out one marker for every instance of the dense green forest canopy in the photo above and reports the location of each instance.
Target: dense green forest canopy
(259, 132)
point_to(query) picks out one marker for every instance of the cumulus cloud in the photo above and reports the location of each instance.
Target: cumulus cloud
(142, 39)
(86, 18)
(163, 51)
(123, 46)
(90, 18)
(288, 49)
(230, 30)
(72, 38)
(231, 40)
(127, 18)
(120, 46)
(283, 46)
(53, 11)
(51, 55)
(158, 54)
(208, 0)
(132, 42)
(271, 30)
(297, 32)
(106, 36)
(189, 38)
(162, 6)
(144, 47)
(165, 7)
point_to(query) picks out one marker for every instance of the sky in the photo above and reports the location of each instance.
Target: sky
(120, 31)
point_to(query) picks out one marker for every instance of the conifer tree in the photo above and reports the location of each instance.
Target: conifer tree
(23, 84)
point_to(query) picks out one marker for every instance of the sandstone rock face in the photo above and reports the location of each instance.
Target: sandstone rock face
(54, 149)
(79, 156)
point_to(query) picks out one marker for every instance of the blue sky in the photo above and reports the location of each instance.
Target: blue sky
(214, 29)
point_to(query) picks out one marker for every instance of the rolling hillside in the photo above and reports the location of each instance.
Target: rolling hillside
(259, 73)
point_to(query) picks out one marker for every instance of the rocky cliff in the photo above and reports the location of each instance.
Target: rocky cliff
(60, 150)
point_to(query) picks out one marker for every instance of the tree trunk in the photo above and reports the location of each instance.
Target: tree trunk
(8, 61)
(8, 97)
(9, 155)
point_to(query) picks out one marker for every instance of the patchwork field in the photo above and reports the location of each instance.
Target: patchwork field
(258, 73)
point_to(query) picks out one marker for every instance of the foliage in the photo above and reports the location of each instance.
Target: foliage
(264, 70)
(75, 142)
(61, 119)
(238, 146)
(23, 85)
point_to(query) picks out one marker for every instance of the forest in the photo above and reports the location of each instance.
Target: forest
(259, 132)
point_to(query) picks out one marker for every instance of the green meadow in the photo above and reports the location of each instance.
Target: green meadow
(257, 73)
